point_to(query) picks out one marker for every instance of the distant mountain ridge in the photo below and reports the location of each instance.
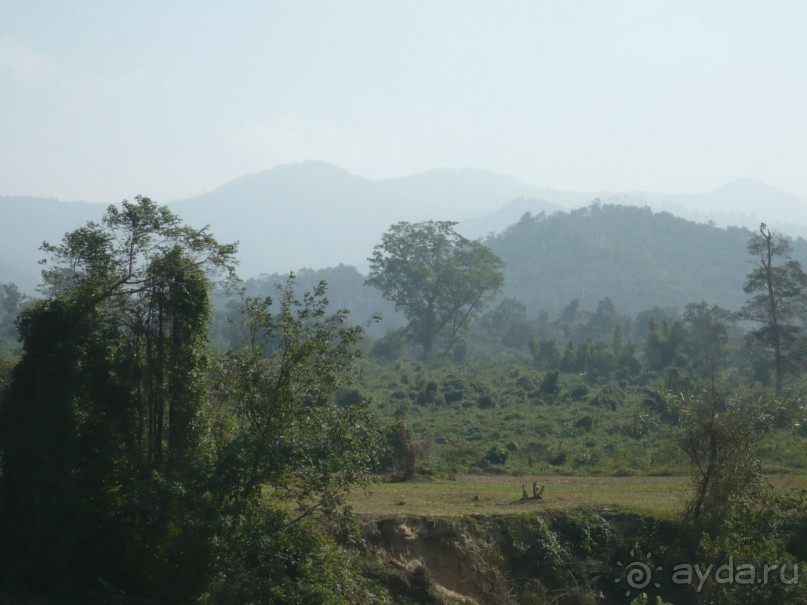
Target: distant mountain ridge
(740, 203)
(315, 215)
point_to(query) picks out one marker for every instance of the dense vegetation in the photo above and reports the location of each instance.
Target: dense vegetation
(137, 466)
(637, 258)
(157, 447)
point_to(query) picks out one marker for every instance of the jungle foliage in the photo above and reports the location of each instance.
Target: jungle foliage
(137, 466)
(159, 447)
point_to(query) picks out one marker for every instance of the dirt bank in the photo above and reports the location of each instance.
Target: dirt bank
(550, 557)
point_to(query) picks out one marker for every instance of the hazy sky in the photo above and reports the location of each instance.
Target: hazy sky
(101, 100)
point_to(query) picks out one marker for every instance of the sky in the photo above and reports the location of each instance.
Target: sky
(103, 100)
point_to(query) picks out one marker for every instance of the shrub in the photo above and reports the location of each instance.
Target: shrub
(497, 455)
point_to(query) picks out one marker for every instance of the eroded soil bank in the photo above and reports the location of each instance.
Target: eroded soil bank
(548, 557)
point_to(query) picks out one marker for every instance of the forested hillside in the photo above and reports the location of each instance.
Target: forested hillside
(637, 258)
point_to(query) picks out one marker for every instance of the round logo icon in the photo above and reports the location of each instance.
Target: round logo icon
(637, 574)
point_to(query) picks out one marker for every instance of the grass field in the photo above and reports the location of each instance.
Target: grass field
(658, 496)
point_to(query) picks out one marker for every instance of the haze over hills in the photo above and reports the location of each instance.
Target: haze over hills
(316, 215)
(26, 222)
(301, 215)
(742, 203)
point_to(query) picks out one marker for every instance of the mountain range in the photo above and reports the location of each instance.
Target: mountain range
(315, 215)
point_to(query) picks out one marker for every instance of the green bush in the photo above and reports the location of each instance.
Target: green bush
(497, 455)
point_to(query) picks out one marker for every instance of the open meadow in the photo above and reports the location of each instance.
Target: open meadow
(501, 494)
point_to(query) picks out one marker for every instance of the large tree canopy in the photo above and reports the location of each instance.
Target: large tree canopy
(436, 277)
(140, 467)
(104, 418)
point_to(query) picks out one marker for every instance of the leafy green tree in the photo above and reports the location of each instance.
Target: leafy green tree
(603, 361)
(572, 320)
(508, 323)
(294, 452)
(665, 344)
(641, 323)
(438, 279)
(602, 322)
(778, 289)
(545, 353)
(293, 437)
(707, 332)
(625, 352)
(12, 301)
(569, 360)
(734, 513)
(102, 428)
(136, 464)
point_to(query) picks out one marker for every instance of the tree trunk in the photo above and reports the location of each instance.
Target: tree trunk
(777, 343)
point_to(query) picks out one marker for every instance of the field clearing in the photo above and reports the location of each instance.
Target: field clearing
(501, 495)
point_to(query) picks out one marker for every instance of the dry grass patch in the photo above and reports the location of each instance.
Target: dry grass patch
(497, 495)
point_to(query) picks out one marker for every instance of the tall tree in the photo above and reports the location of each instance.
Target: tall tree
(602, 322)
(12, 302)
(436, 277)
(102, 421)
(707, 334)
(778, 302)
(664, 345)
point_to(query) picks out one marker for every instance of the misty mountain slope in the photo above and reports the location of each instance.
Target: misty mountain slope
(26, 222)
(741, 203)
(308, 215)
(316, 215)
(638, 258)
(507, 215)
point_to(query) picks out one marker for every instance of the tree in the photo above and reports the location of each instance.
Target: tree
(12, 302)
(148, 277)
(102, 428)
(602, 322)
(545, 353)
(664, 345)
(437, 278)
(139, 467)
(280, 386)
(293, 452)
(508, 323)
(720, 435)
(778, 300)
(734, 513)
(707, 333)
